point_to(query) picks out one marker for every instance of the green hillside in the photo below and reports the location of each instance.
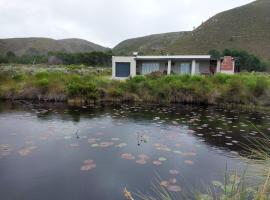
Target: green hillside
(41, 46)
(246, 27)
(154, 44)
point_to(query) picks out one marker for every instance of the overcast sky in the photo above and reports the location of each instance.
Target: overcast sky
(106, 22)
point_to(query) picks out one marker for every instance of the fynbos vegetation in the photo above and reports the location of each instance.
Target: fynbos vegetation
(87, 86)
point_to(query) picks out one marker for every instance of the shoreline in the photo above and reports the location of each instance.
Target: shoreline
(82, 103)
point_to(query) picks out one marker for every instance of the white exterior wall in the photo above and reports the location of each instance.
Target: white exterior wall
(218, 66)
(124, 59)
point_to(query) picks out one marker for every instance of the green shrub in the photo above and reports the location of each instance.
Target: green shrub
(18, 77)
(115, 92)
(44, 82)
(221, 78)
(261, 86)
(41, 75)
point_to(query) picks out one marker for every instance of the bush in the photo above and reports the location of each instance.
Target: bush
(41, 75)
(44, 82)
(18, 77)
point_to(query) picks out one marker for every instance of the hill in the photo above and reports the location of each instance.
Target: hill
(41, 46)
(154, 44)
(246, 27)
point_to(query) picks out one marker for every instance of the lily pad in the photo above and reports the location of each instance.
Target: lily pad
(162, 159)
(189, 162)
(121, 145)
(174, 172)
(26, 150)
(127, 156)
(88, 165)
(157, 162)
(174, 188)
(141, 161)
(94, 145)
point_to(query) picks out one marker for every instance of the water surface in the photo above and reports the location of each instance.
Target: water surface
(55, 151)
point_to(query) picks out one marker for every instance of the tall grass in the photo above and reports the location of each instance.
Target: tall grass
(78, 83)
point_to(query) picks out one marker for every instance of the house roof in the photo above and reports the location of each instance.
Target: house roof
(173, 57)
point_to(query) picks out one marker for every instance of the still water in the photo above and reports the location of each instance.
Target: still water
(55, 151)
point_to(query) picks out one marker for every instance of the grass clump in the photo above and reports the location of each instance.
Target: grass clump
(84, 83)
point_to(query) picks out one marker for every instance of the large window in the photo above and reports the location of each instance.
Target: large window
(122, 69)
(185, 68)
(148, 68)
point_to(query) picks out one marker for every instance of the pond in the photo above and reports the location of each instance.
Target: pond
(55, 151)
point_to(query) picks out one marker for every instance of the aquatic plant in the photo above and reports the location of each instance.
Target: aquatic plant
(233, 187)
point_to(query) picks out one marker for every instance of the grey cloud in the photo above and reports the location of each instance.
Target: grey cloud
(105, 22)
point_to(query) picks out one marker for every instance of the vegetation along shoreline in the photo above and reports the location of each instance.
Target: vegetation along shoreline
(82, 85)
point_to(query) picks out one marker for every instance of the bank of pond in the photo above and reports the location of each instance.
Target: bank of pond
(252, 89)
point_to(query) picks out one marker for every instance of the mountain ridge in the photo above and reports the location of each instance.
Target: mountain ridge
(243, 28)
(43, 45)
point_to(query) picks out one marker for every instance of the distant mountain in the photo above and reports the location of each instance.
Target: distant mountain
(34, 46)
(154, 44)
(246, 27)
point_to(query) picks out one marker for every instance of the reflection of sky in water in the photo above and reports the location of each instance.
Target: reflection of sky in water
(42, 157)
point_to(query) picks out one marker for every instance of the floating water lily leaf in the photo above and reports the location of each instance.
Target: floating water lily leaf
(175, 123)
(172, 180)
(178, 152)
(164, 183)
(141, 161)
(88, 165)
(67, 137)
(162, 147)
(143, 156)
(74, 145)
(26, 150)
(174, 172)
(162, 159)
(127, 156)
(217, 184)
(105, 144)
(88, 161)
(170, 187)
(121, 145)
(188, 154)
(189, 162)
(157, 162)
(92, 140)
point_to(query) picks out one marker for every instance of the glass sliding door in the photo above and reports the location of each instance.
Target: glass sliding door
(148, 68)
(185, 68)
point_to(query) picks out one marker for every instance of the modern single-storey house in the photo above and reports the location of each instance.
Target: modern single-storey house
(130, 66)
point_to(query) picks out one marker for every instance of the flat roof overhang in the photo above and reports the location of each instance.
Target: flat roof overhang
(176, 57)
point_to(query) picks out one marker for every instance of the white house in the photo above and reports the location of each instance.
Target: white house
(130, 66)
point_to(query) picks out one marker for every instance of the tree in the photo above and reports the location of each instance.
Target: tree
(245, 61)
(214, 54)
(10, 54)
